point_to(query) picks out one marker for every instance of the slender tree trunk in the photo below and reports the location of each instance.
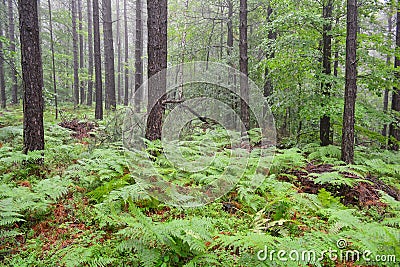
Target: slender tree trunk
(109, 56)
(229, 40)
(232, 77)
(394, 131)
(325, 121)
(119, 88)
(126, 47)
(2, 80)
(268, 87)
(180, 77)
(81, 53)
(351, 84)
(157, 56)
(53, 59)
(97, 61)
(336, 60)
(32, 75)
(90, 53)
(75, 52)
(138, 55)
(244, 86)
(386, 93)
(11, 35)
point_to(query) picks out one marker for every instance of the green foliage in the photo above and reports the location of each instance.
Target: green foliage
(325, 154)
(113, 220)
(288, 159)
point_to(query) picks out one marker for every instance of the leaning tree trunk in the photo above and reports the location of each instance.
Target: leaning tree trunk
(351, 84)
(394, 131)
(97, 61)
(32, 75)
(325, 121)
(53, 66)
(11, 33)
(109, 56)
(157, 61)
(138, 56)
(244, 85)
(75, 52)
(90, 53)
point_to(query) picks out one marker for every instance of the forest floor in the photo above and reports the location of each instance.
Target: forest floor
(87, 206)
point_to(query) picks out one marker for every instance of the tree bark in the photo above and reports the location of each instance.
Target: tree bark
(90, 53)
(126, 54)
(2, 80)
(244, 85)
(138, 55)
(325, 121)
(32, 75)
(351, 84)
(81, 53)
(119, 88)
(53, 59)
(229, 40)
(394, 131)
(268, 87)
(109, 56)
(75, 52)
(386, 93)
(11, 35)
(97, 61)
(157, 61)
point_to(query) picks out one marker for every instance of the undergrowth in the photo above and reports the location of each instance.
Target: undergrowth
(88, 204)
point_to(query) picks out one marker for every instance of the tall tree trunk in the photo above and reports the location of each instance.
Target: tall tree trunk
(75, 52)
(157, 11)
(90, 53)
(138, 55)
(232, 78)
(268, 87)
(394, 131)
(180, 78)
(119, 88)
(325, 121)
(3, 98)
(386, 93)
(53, 59)
(229, 40)
(126, 47)
(351, 84)
(11, 35)
(81, 54)
(97, 61)
(109, 56)
(244, 86)
(32, 75)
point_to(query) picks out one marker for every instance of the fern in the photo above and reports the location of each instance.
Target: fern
(326, 154)
(288, 159)
(54, 188)
(334, 178)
